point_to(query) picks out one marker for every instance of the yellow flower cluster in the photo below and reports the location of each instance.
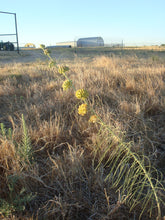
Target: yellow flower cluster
(63, 69)
(82, 110)
(67, 84)
(82, 94)
(93, 119)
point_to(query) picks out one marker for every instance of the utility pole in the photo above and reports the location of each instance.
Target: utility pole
(16, 32)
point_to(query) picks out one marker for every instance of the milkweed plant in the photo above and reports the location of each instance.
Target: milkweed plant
(138, 182)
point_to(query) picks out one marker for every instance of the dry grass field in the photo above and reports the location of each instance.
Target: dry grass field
(49, 153)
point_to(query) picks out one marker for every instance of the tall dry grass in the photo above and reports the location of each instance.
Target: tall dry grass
(127, 93)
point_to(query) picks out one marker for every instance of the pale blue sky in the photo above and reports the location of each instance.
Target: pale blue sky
(136, 22)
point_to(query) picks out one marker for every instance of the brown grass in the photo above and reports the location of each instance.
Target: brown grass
(127, 92)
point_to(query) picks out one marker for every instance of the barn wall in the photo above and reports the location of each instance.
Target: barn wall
(71, 43)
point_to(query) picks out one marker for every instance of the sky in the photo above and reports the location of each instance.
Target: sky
(135, 22)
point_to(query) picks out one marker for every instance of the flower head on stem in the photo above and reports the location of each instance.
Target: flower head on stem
(67, 84)
(81, 94)
(93, 119)
(63, 69)
(82, 109)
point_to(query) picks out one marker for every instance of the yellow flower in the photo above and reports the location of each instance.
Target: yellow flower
(93, 119)
(63, 69)
(67, 84)
(82, 94)
(82, 110)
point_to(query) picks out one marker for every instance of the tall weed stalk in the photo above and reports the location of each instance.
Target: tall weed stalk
(131, 173)
(25, 148)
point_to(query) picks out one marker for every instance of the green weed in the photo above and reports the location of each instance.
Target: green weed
(25, 147)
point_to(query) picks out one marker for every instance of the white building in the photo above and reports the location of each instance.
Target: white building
(67, 44)
(90, 42)
(83, 42)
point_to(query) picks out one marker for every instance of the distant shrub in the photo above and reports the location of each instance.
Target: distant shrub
(31, 45)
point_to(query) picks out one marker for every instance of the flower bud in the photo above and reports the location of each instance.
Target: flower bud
(82, 110)
(81, 94)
